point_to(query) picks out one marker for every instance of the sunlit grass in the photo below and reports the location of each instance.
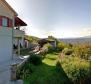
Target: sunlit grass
(46, 72)
(50, 59)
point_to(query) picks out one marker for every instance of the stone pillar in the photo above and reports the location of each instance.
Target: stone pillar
(13, 72)
(18, 46)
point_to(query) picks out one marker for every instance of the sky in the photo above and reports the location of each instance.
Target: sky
(59, 18)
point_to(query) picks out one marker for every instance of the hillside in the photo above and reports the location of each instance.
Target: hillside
(77, 40)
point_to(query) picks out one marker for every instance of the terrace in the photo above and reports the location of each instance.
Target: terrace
(18, 34)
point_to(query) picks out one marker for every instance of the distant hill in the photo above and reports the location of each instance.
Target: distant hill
(86, 39)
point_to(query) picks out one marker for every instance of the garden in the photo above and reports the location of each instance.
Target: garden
(65, 64)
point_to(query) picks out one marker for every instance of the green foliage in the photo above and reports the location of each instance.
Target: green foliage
(82, 51)
(62, 45)
(24, 71)
(76, 68)
(50, 48)
(32, 39)
(35, 59)
(48, 45)
(67, 51)
(46, 73)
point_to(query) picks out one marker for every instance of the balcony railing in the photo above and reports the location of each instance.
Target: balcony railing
(18, 33)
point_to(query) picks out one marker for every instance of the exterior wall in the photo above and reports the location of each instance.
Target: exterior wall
(4, 11)
(18, 34)
(5, 44)
(5, 35)
(53, 43)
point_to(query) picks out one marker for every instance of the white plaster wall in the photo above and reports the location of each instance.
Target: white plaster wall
(5, 35)
(5, 44)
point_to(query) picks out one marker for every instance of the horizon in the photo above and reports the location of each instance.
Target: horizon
(60, 18)
(65, 37)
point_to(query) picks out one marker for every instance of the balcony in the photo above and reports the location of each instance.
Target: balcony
(18, 33)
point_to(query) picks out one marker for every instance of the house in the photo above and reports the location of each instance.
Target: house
(7, 18)
(53, 43)
(9, 31)
(10, 25)
(52, 40)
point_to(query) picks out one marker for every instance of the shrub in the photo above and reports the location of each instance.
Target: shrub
(67, 51)
(43, 53)
(86, 54)
(35, 59)
(76, 69)
(62, 45)
(58, 66)
(82, 51)
(49, 47)
(70, 45)
(24, 71)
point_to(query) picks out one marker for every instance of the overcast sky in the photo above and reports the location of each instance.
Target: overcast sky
(60, 18)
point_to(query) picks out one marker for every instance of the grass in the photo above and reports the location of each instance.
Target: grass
(50, 59)
(46, 73)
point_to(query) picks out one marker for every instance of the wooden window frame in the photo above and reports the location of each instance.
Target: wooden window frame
(9, 21)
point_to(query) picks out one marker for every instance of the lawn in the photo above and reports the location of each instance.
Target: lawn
(46, 73)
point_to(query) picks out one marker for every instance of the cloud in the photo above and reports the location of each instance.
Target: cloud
(53, 17)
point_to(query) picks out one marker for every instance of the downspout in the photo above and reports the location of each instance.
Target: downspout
(13, 36)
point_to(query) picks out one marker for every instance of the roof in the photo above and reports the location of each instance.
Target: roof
(19, 22)
(9, 7)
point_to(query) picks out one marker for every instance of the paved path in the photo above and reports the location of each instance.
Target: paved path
(5, 71)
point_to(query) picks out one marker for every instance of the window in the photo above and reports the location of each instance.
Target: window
(4, 22)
